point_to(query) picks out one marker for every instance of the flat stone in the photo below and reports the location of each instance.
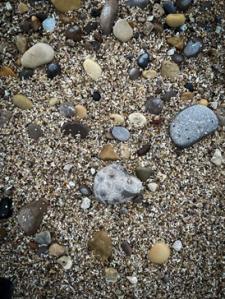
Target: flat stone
(175, 20)
(57, 250)
(108, 153)
(122, 30)
(37, 55)
(112, 184)
(30, 216)
(120, 133)
(92, 68)
(143, 173)
(170, 70)
(137, 120)
(74, 129)
(101, 245)
(34, 131)
(22, 102)
(66, 5)
(154, 105)
(192, 48)
(192, 124)
(43, 238)
(108, 15)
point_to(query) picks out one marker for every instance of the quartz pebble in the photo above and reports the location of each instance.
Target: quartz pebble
(112, 184)
(122, 30)
(5, 208)
(66, 5)
(92, 68)
(37, 55)
(21, 43)
(80, 111)
(137, 120)
(108, 15)
(101, 245)
(217, 158)
(22, 102)
(170, 70)
(192, 48)
(56, 250)
(117, 119)
(66, 262)
(192, 124)
(86, 203)
(43, 238)
(31, 215)
(154, 105)
(203, 102)
(153, 186)
(111, 275)
(159, 253)
(74, 129)
(132, 279)
(34, 131)
(120, 133)
(175, 20)
(108, 153)
(177, 245)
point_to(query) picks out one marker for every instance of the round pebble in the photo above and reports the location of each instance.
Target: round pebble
(137, 120)
(134, 73)
(92, 68)
(53, 69)
(96, 96)
(159, 253)
(120, 133)
(143, 60)
(154, 105)
(122, 30)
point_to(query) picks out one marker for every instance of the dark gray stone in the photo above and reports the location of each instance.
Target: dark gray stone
(120, 133)
(154, 105)
(192, 124)
(183, 5)
(74, 129)
(34, 131)
(138, 3)
(108, 15)
(134, 73)
(193, 48)
(43, 238)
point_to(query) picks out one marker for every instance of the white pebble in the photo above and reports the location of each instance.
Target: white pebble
(86, 203)
(132, 279)
(92, 68)
(122, 30)
(177, 245)
(137, 119)
(217, 158)
(152, 187)
(65, 262)
(93, 171)
(170, 52)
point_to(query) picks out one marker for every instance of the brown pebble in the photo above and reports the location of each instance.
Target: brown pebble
(6, 71)
(108, 153)
(186, 96)
(101, 245)
(159, 253)
(126, 248)
(56, 250)
(81, 111)
(176, 41)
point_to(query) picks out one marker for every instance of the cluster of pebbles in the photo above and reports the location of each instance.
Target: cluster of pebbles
(112, 149)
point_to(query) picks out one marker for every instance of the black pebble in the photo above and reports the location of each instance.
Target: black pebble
(53, 69)
(95, 12)
(91, 26)
(26, 74)
(143, 60)
(75, 128)
(6, 288)
(169, 7)
(74, 33)
(96, 96)
(5, 208)
(177, 58)
(183, 5)
(189, 86)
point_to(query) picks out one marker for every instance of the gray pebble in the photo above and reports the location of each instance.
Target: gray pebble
(108, 15)
(34, 131)
(192, 124)
(43, 238)
(67, 109)
(120, 133)
(134, 73)
(192, 48)
(154, 105)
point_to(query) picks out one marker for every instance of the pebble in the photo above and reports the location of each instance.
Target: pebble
(120, 133)
(192, 124)
(176, 41)
(66, 262)
(124, 151)
(177, 245)
(75, 128)
(177, 58)
(34, 131)
(111, 275)
(143, 173)
(117, 119)
(22, 102)
(217, 158)
(169, 7)
(108, 153)
(53, 101)
(6, 288)
(203, 102)
(193, 48)
(153, 186)
(134, 73)
(96, 96)
(21, 43)
(31, 215)
(175, 20)
(101, 245)
(74, 33)
(57, 250)
(189, 86)
(157, 11)
(4, 117)
(22, 8)
(143, 60)
(125, 245)
(49, 24)
(66, 5)
(144, 150)
(92, 68)
(80, 111)
(170, 52)
(86, 203)
(84, 190)
(108, 15)
(154, 105)
(149, 74)
(186, 96)
(138, 3)
(37, 55)
(66, 109)
(112, 184)
(170, 70)
(183, 5)
(137, 120)
(5, 208)
(52, 70)
(132, 279)
(43, 238)
(159, 253)
(25, 74)
(122, 30)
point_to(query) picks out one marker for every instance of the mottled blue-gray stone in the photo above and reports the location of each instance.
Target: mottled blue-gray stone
(192, 124)
(120, 133)
(138, 3)
(192, 48)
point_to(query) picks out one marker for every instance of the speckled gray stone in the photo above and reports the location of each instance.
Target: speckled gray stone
(192, 124)
(112, 184)
(120, 133)
(192, 48)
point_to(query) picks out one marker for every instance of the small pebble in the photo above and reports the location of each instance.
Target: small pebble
(34, 131)
(170, 70)
(149, 74)
(108, 15)
(49, 24)
(57, 250)
(134, 73)
(101, 245)
(157, 11)
(25, 74)
(84, 190)
(122, 30)
(176, 41)
(159, 253)
(67, 5)
(154, 105)
(6, 210)
(22, 102)
(143, 60)
(117, 119)
(108, 153)
(53, 101)
(74, 129)
(124, 151)
(96, 96)
(217, 158)
(92, 68)
(43, 238)
(66, 262)
(126, 248)
(177, 245)
(53, 69)
(21, 43)
(143, 173)
(189, 86)
(203, 102)
(138, 3)
(177, 58)
(22, 8)
(152, 187)
(192, 48)
(144, 150)
(86, 203)
(120, 133)
(175, 20)
(183, 5)
(111, 275)
(67, 110)
(132, 279)
(80, 111)
(169, 7)
(137, 120)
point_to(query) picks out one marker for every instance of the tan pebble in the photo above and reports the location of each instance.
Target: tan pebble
(203, 102)
(124, 151)
(6, 71)
(117, 119)
(111, 275)
(22, 8)
(21, 43)
(175, 20)
(149, 74)
(122, 30)
(92, 68)
(170, 70)
(159, 253)
(53, 101)
(101, 245)
(81, 111)
(186, 96)
(66, 262)
(22, 102)
(176, 41)
(66, 5)
(137, 120)
(35, 23)
(108, 153)
(56, 250)
(157, 11)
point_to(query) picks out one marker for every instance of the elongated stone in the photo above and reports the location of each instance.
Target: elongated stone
(108, 15)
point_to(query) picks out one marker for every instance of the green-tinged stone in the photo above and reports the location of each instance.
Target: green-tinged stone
(66, 5)
(101, 245)
(143, 173)
(22, 102)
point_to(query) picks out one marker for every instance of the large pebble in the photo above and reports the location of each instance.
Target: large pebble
(37, 55)
(192, 48)
(101, 245)
(170, 70)
(30, 216)
(137, 120)
(120, 133)
(92, 68)
(74, 129)
(192, 124)
(138, 3)
(159, 253)
(122, 30)
(22, 102)
(108, 15)
(66, 5)
(183, 4)
(113, 184)
(175, 20)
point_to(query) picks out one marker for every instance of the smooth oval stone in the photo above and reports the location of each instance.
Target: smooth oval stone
(137, 3)
(74, 129)
(5, 208)
(49, 24)
(108, 15)
(22, 102)
(92, 68)
(192, 48)
(143, 60)
(120, 133)
(154, 105)
(53, 69)
(37, 55)
(192, 124)
(134, 73)
(122, 30)
(175, 20)
(183, 4)
(26, 74)
(66, 5)
(34, 131)
(169, 7)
